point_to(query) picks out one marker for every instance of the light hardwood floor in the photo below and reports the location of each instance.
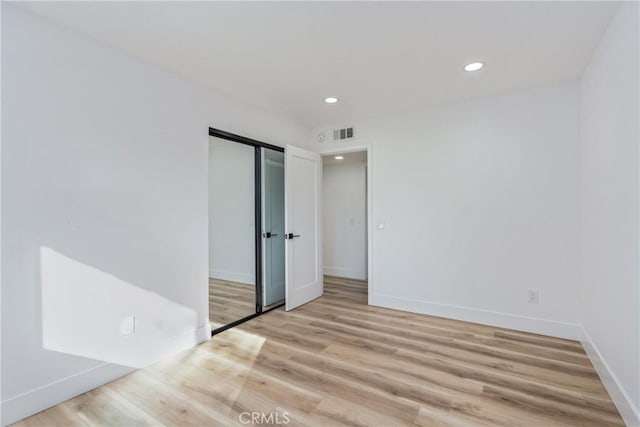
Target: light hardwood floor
(337, 361)
(230, 301)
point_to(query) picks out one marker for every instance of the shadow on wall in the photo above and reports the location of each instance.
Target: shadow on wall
(96, 271)
(83, 308)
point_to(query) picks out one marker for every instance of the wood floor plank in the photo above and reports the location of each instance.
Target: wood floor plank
(168, 405)
(229, 301)
(338, 362)
(101, 407)
(398, 329)
(58, 416)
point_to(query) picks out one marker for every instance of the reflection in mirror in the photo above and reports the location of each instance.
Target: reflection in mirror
(232, 275)
(273, 227)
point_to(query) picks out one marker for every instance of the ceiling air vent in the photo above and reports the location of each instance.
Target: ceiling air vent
(339, 134)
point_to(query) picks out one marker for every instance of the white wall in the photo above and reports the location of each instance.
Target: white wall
(232, 211)
(480, 204)
(344, 219)
(609, 211)
(104, 209)
(1, 257)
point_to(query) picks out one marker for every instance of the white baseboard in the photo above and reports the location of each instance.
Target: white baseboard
(232, 277)
(344, 272)
(629, 412)
(48, 395)
(572, 331)
(44, 397)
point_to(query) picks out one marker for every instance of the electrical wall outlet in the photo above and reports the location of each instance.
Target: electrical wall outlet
(128, 325)
(533, 296)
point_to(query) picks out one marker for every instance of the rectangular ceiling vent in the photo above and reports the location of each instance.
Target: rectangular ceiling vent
(346, 133)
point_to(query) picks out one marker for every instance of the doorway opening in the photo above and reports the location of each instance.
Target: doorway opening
(345, 215)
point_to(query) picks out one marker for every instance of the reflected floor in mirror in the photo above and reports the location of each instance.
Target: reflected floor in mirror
(230, 301)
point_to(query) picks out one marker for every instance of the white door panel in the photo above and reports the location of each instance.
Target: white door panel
(303, 180)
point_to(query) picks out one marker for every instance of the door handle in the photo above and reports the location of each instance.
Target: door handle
(268, 235)
(291, 236)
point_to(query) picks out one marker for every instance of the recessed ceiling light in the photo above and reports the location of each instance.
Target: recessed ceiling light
(331, 100)
(339, 158)
(474, 66)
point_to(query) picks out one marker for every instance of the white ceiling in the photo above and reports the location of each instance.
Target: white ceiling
(377, 57)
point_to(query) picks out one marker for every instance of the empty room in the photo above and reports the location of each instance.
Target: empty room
(320, 213)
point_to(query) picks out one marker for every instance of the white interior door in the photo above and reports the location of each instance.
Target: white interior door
(303, 248)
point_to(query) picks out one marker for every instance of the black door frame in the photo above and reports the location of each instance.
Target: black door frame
(257, 145)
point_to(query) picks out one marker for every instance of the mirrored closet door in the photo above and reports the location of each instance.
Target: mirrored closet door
(246, 229)
(273, 240)
(232, 266)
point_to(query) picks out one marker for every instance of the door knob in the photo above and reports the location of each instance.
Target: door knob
(291, 236)
(268, 235)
